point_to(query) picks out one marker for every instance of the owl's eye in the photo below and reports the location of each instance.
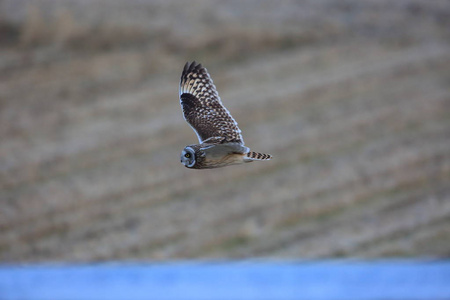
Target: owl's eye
(187, 155)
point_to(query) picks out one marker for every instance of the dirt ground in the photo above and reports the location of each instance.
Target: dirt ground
(352, 98)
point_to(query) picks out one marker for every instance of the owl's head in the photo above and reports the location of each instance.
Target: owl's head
(188, 157)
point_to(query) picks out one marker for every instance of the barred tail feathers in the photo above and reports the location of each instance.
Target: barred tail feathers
(251, 156)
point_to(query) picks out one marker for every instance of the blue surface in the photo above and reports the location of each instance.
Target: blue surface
(228, 280)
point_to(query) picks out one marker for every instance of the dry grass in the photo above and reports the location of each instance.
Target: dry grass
(354, 104)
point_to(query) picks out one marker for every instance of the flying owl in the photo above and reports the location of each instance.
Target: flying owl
(220, 139)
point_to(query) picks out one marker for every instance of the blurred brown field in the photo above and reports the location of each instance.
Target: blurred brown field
(352, 98)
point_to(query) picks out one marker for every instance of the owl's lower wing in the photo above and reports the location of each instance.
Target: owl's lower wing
(221, 150)
(202, 107)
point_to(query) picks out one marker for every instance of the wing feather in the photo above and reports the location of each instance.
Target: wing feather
(202, 108)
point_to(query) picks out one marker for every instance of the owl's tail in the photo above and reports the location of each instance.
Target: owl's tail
(251, 156)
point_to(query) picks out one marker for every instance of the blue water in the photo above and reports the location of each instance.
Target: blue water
(228, 280)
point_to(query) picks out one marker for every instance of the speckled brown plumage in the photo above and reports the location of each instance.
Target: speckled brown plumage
(202, 107)
(220, 140)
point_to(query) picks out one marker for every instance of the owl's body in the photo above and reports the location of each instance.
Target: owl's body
(208, 156)
(221, 142)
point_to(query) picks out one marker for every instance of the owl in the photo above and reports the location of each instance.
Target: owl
(220, 140)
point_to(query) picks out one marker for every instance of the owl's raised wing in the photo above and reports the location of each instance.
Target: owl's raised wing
(202, 107)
